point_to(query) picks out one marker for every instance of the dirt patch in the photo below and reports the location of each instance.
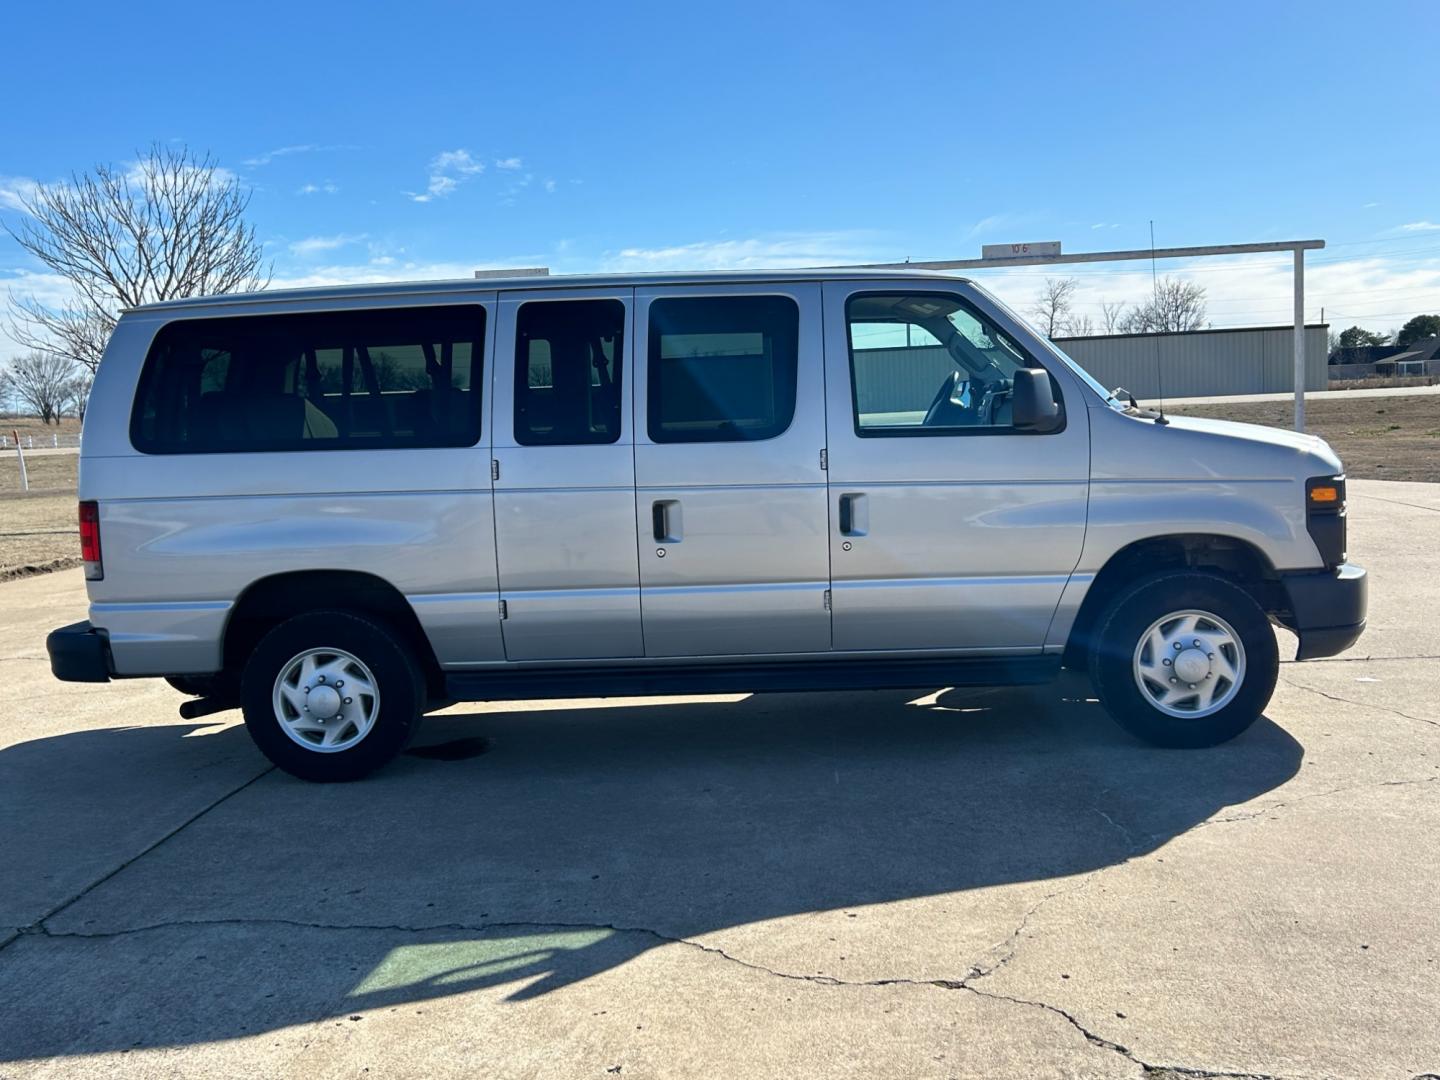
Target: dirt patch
(11, 573)
(1378, 438)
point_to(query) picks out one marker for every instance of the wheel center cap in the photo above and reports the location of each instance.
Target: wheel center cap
(324, 701)
(1192, 665)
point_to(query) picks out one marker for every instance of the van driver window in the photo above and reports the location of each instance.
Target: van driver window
(924, 364)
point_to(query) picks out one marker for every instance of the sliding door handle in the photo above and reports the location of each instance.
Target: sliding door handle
(854, 514)
(665, 522)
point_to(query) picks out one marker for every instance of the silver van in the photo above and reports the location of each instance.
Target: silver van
(338, 508)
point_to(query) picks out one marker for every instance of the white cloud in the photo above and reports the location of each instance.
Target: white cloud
(774, 252)
(1420, 226)
(509, 163)
(995, 222)
(328, 188)
(447, 169)
(313, 245)
(14, 190)
(1369, 205)
(383, 268)
(285, 151)
(459, 161)
(550, 186)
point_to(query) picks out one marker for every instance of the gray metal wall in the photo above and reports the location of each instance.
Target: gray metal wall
(1202, 362)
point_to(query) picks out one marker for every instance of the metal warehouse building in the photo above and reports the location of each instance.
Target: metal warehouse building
(1202, 363)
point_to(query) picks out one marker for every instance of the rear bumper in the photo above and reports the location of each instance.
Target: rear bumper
(79, 653)
(1326, 608)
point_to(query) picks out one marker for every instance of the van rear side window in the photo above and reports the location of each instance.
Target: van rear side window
(352, 380)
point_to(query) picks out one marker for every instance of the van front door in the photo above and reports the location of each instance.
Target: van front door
(951, 528)
(564, 468)
(730, 495)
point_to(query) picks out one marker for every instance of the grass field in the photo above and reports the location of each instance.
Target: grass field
(1394, 438)
(29, 428)
(1377, 438)
(38, 530)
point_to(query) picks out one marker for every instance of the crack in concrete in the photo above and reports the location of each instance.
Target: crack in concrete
(1158, 1072)
(1285, 803)
(38, 926)
(1359, 659)
(1361, 704)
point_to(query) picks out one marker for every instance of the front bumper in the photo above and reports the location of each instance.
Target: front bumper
(1326, 608)
(79, 653)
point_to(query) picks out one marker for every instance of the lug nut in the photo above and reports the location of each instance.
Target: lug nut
(348, 700)
(1173, 679)
(1166, 661)
(1177, 646)
(1192, 686)
(322, 677)
(339, 683)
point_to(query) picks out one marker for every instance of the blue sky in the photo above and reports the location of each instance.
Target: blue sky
(423, 140)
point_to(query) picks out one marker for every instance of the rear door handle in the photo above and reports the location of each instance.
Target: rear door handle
(665, 522)
(854, 514)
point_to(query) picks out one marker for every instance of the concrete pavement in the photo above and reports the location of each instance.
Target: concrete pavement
(965, 883)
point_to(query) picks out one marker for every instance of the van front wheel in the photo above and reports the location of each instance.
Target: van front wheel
(331, 696)
(1184, 659)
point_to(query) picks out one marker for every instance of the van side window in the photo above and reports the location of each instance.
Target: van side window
(722, 369)
(353, 380)
(928, 364)
(568, 356)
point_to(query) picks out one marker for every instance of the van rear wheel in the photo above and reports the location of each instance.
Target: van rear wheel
(1184, 659)
(331, 696)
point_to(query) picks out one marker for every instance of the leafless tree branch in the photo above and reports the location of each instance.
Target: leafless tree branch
(171, 226)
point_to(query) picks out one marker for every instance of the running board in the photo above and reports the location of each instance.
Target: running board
(512, 684)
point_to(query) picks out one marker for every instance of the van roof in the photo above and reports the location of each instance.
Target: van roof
(462, 286)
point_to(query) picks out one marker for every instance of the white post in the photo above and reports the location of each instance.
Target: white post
(1299, 339)
(19, 450)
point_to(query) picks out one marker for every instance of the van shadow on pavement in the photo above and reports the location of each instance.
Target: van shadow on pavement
(582, 838)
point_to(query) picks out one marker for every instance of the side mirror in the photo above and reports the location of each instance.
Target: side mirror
(1032, 401)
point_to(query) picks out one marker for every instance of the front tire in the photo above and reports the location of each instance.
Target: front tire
(331, 696)
(1184, 659)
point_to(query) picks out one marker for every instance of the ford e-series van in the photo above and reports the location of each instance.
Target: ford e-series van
(339, 507)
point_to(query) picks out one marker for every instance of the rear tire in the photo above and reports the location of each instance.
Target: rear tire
(363, 681)
(1184, 659)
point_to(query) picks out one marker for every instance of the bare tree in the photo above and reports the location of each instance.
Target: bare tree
(1112, 315)
(172, 225)
(1078, 326)
(1177, 305)
(78, 396)
(1053, 305)
(43, 383)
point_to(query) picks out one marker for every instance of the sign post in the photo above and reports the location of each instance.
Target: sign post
(20, 452)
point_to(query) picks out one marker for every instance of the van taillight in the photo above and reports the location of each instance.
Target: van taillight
(90, 540)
